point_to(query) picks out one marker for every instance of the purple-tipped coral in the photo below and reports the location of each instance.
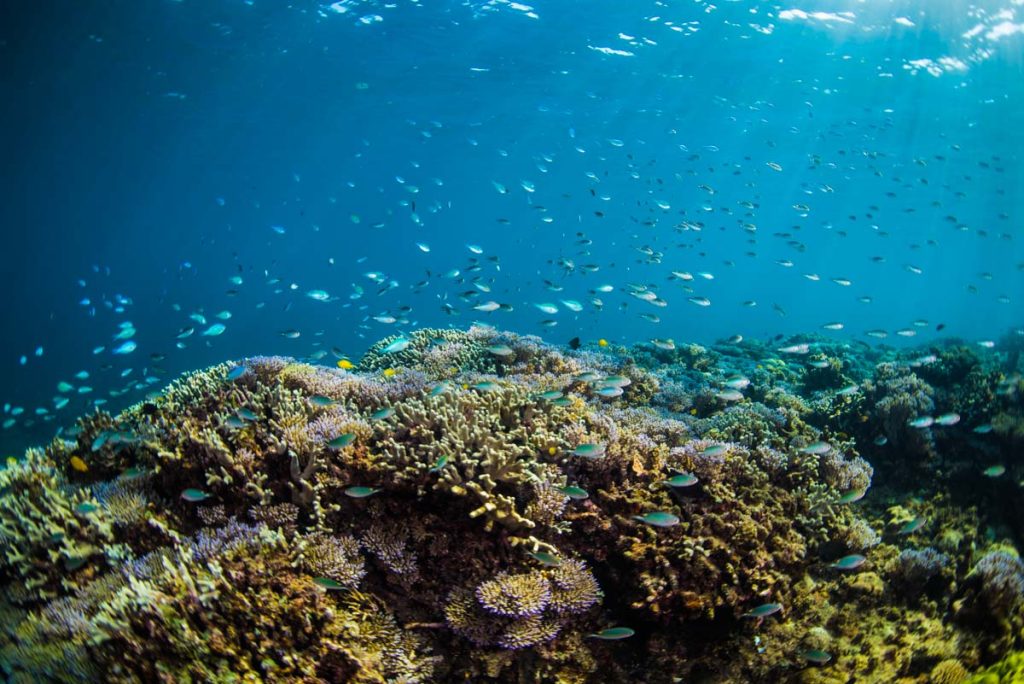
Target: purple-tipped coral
(517, 610)
(331, 556)
(914, 568)
(899, 397)
(515, 595)
(1002, 580)
(573, 588)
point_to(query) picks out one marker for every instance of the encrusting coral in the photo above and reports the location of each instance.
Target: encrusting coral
(477, 505)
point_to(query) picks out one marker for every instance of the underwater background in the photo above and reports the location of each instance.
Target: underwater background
(552, 341)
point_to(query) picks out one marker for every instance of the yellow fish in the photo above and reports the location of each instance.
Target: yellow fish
(552, 451)
(345, 364)
(79, 465)
(388, 372)
(602, 342)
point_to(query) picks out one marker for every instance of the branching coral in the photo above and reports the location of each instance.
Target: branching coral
(47, 529)
(475, 498)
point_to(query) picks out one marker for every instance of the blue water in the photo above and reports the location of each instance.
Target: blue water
(150, 147)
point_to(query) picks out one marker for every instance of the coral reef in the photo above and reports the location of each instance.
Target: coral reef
(481, 506)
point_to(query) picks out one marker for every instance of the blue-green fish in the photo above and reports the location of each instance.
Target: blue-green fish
(591, 450)
(342, 441)
(383, 414)
(763, 611)
(74, 562)
(236, 372)
(852, 496)
(361, 492)
(912, 526)
(321, 400)
(400, 344)
(132, 473)
(816, 656)
(126, 348)
(573, 492)
(214, 330)
(737, 382)
(551, 395)
(817, 448)
(328, 583)
(85, 508)
(439, 389)
(612, 634)
(714, 450)
(549, 309)
(246, 413)
(439, 464)
(658, 519)
(502, 350)
(194, 495)
(318, 295)
(851, 562)
(545, 558)
(682, 480)
(994, 471)
(587, 376)
(100, 440)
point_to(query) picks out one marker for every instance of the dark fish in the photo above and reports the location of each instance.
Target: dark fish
(574, 343)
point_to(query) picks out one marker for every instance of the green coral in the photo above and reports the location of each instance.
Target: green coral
(1010, 670)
